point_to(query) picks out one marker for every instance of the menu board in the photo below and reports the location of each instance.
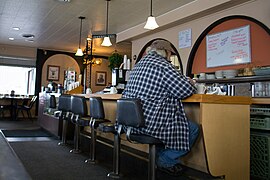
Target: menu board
(228, 48)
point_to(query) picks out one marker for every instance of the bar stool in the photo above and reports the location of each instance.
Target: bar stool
(79, 118)
(97, 118)
(52, 105)
(130, 114)
(64, 114)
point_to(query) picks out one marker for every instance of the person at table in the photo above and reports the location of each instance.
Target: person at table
(161, 87)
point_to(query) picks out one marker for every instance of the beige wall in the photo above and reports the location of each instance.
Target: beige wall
(103, 67)
(18, 51)
(258, 9)
(65, 62)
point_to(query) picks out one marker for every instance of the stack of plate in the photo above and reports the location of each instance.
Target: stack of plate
(262, 71)
(231, 73)
(219, 74)
(210, 76)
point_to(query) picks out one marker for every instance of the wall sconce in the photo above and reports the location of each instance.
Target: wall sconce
(98, 61)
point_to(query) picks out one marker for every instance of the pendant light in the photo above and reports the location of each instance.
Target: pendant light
(106, 40)
(151, 20)
(79, 50)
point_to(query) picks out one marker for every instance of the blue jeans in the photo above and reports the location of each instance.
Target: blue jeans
(169, 157)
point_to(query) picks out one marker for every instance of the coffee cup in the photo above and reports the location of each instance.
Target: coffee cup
(113, 90)
(88, 91)
(200, 88)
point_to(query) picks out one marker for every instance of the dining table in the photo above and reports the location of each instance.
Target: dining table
(13, 102)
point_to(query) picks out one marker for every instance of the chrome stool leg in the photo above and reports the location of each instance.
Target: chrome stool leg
(92, 158)
(151, 163)
(116, 157)
(64, 133)
(76, 149)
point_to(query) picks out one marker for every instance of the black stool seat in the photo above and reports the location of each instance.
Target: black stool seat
(107, 127)
(144, 139)
(100, 121)
(81, 121)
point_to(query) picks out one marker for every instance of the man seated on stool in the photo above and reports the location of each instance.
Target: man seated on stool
(160, 87)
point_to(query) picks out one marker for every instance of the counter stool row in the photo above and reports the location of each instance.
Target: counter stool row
(129, 114)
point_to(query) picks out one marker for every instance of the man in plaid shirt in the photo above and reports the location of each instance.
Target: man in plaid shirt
(160, 87)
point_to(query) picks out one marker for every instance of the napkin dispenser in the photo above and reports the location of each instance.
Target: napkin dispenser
(261, 89)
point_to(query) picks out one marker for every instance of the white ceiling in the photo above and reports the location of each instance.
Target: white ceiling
(55, 24)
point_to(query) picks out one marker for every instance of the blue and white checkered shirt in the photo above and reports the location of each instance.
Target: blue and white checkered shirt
(161, 87)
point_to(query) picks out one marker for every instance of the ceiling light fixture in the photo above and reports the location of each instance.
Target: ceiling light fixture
(64, 0)
(151, 20)
(106, 40)
(28, 36)
(16, 28)
(11, 39)
(79, 50)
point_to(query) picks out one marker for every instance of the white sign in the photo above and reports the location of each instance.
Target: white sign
(228, 48)
(185, 38)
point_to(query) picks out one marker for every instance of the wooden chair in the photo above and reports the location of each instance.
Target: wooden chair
(27, 108)
(3, 108)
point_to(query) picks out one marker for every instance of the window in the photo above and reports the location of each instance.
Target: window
(20, 79)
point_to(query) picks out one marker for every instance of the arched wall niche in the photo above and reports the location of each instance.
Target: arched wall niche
(43, 56)
(260, 38)
(142, 52)
(65, 63)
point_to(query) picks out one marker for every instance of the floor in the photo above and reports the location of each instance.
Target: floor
(37, 153)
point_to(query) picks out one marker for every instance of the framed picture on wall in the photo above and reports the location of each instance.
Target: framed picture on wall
(101, 78)
(53, 73)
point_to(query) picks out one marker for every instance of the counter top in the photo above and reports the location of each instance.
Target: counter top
(260, 100)
(195, 98)
(218, 99)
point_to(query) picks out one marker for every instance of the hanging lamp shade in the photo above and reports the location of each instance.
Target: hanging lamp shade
(151, 20)
(151, 23)
(106, 39)
(79, 50)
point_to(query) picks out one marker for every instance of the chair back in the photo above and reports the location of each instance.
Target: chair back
(96, 108)
(52, 102)
(32, 102)
(78, 105)
(64, 103)
(129, 112)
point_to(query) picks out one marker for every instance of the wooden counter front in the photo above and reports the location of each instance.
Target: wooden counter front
(223, 147)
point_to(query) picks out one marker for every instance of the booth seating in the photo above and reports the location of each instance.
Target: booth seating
(64, 113)
(129, 115)
(97, 117)
(79, 118)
